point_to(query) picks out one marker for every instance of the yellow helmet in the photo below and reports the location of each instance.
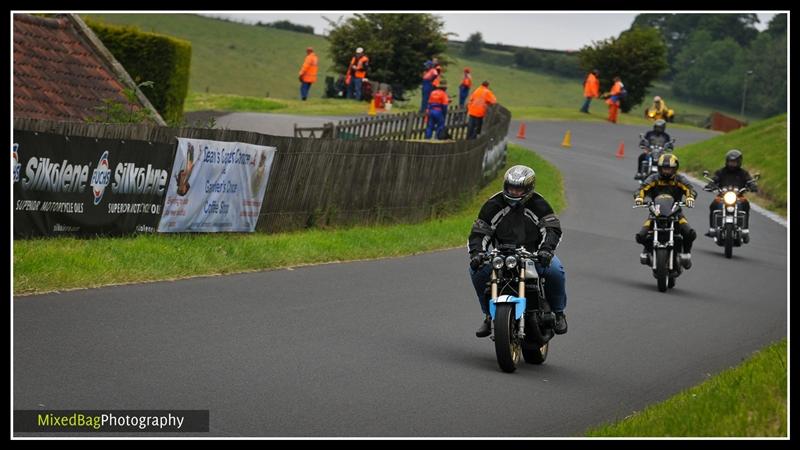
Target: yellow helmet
(668, 160)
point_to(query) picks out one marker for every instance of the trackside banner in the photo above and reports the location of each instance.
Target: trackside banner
(216, 186)
(85, 186)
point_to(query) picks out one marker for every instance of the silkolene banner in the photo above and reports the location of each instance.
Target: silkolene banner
(217, 186)
(78, 185)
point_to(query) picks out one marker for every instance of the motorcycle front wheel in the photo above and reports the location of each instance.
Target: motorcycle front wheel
(506, 346)
(728, 240)
(662, 257)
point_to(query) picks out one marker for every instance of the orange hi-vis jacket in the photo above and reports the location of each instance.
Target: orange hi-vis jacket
(591, 87)
(438, 99)
(615, 90)
(467, 81)
(360, 71)
(479, 101)
(308, 72)
(438, 78)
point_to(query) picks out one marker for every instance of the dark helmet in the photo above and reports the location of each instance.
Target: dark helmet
(733, 156)
(518, 184)
(660, 126)
(665, 161)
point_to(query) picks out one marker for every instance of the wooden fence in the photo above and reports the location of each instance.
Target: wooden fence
(398, 127)
(322, 181)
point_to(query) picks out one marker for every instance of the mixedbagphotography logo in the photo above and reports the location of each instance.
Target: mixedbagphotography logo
(100, 178)
(17, 165)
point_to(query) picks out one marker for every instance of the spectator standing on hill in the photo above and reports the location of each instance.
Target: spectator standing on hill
(308, 72)
(477, 107)
(591, 89)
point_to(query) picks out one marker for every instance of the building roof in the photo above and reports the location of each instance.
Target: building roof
(63, 72)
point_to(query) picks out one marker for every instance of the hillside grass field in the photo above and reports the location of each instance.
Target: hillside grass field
(261, 62)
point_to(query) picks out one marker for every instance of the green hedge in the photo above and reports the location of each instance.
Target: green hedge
(164, 60)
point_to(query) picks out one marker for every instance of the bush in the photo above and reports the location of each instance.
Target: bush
(164, 60)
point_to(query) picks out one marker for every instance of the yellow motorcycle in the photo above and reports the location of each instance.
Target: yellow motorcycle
(664, 113)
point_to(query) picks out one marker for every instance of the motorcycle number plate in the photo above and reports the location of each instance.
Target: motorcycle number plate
(729, 219)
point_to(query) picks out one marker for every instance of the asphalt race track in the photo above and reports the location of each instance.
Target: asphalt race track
(387, 347)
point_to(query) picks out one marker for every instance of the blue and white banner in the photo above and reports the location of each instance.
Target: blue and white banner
(216, 186)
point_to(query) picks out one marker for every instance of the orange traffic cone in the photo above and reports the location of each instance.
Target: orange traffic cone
(521, 134)
(621, 150)
(372, 107)
(566, 141)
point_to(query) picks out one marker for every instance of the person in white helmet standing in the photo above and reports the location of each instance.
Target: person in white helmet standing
(359, 64)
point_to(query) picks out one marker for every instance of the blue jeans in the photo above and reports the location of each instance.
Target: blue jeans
(304, 88)
(474, 125)
(355, 88)
(585, 107)
(427, 87)
(463, 92)
(435, 122)
(555, 284)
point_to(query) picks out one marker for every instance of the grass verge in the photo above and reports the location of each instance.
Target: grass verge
(745, 401)
(43, 265)
(764, 145)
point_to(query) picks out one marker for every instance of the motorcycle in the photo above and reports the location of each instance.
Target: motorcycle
(654, 151)
(729, 221)
(666, 114)
(664, 260)
(522, 321)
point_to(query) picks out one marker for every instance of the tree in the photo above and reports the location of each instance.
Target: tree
(714, 71)
(474, 44)
(767, 93)
(290, 26)
(638, 56)
(676, 29)
(397, 45)
(777, 26)
(711, 70)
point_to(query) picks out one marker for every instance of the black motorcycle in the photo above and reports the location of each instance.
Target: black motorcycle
(654, 151)
(730, 220)
(522, 322)
(665, 261)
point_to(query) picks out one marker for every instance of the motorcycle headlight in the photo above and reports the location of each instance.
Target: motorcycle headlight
(511, 262)
(729, 198)
(497, 263)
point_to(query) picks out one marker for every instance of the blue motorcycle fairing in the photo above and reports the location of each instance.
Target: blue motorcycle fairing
(508, 299)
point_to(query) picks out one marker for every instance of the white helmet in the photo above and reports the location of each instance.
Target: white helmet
(359, 50)
(656, 99)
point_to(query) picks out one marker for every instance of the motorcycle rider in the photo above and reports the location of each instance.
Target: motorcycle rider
(518, 215)
(667, 181)
(657, 136)
(731, 175)
(659, 109)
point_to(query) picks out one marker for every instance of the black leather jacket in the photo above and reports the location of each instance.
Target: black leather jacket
(738, 178)
(653, 137)
(678, 187)
(532, 224)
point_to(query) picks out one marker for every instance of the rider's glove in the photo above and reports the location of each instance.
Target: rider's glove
(638, 201)
(476, 260)
(690, 202)
(545, 256)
